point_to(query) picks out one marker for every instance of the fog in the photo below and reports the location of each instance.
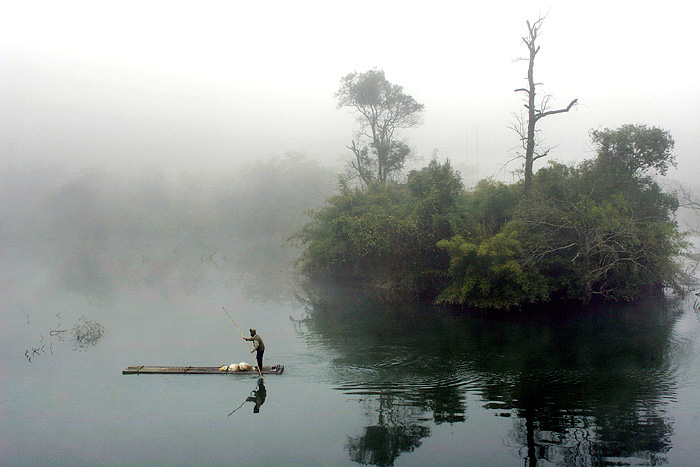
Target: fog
(94, 231)
(122, 85)
(155, 158)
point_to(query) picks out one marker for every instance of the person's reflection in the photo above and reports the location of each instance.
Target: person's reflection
(258, 395)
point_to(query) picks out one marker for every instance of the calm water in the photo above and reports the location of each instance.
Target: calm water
(362, 384)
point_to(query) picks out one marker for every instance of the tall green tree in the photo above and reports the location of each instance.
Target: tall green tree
(382, 108)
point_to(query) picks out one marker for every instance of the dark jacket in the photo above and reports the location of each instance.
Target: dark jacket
(257, 342)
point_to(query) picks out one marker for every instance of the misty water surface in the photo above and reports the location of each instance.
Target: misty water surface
(363, 384)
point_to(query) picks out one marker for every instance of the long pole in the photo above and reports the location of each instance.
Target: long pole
(246, 342)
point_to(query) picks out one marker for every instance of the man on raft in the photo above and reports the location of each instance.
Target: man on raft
(258, 346)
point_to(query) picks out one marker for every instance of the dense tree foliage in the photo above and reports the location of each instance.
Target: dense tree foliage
(635, 149)
(601, 229)
(386, 234)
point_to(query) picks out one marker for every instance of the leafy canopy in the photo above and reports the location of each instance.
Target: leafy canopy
(382, 108)
(603, 229)
(636, 149)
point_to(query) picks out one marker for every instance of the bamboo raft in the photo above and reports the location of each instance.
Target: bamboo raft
(199, 370)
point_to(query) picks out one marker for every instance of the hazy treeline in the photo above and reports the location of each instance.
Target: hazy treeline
(93, 227)
(260, 199)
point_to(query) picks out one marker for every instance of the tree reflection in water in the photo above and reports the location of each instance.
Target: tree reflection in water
(584, 390)
(395, 431)
(576, 432)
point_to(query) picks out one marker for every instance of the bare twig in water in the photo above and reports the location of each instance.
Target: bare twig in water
(57, 332)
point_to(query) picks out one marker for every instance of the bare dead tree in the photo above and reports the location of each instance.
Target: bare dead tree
(527, 130)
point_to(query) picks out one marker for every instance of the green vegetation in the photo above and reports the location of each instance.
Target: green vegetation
(601, 229)
(387, 234)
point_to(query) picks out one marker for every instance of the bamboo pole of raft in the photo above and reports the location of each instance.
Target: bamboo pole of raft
(246, 342)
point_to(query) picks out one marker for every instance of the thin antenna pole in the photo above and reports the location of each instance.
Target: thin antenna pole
(466, 155)
(477, 153)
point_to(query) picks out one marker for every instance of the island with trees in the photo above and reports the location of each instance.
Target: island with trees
(603, 229)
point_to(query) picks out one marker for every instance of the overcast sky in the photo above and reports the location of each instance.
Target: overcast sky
(201, 85)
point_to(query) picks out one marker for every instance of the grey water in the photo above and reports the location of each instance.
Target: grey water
(363, 384)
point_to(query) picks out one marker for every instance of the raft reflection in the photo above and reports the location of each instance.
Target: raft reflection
(582, 390)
